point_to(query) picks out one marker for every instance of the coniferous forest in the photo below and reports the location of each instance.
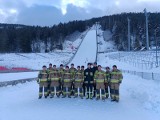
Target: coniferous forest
(23, 38)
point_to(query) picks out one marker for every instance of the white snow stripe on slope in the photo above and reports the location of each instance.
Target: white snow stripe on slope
(87, 50)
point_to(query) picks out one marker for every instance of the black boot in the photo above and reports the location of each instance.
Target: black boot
(87, 97)
(58, 95)
(63, 96)
(51, 96)
(91, 96)
(75, 96)
(97, 98)
(81, 96)
(39, 97)
(112, 100)
(103, 98)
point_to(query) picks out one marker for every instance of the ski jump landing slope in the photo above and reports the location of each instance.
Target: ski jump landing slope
(87, 50)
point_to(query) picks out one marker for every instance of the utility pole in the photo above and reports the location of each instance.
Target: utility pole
(129, 36)
(96, 40)
(156, 47)
(147, 40)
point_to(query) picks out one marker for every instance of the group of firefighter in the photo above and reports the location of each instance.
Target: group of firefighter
(92, 82)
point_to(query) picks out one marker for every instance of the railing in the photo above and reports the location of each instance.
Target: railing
(143, 60)
(144, 75)
(17, 71)
(15, 82)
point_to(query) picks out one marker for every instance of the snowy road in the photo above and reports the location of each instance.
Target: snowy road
(87, 50)
(138, 102)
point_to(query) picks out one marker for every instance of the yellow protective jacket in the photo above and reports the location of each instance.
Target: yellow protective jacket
(67, 76)
(108, 76)
(73, 72)
(49, 69)
(61, 71)
(79, 76)
(99, 76)
(43, 76)
(116, 76)
(54, 75)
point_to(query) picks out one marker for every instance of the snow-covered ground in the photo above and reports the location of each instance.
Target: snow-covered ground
(32, 60)
(139, 98)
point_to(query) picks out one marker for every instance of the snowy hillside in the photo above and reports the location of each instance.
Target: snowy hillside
(36, 60)
(105, 43)
(139, 98)
(33, 60)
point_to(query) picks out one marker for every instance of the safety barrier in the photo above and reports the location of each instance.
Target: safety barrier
(2, 68)
(144, 75)
(15, 82)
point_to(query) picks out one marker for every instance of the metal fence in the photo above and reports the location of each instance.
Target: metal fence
(144, 75)
(143, 59)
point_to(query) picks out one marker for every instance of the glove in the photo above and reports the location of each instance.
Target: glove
(94, 81)
(82, 82)
(105, 82)
(38, 81)
(120, 81)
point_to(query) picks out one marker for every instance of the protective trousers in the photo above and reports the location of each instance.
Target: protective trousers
(78, 84)
(49, 88)
(114, 91)
(100, 85)
(107, 89)
(54, 87)
(41, 92)
(67, 88)
(89, 92)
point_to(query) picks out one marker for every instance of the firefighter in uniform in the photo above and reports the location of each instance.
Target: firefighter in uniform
(107, 84)
(61, 71)
(88, 80)
(43, 82)
(116, 79)
(99, 79)
(54, 77)
(83, 86)
(95, 68)
(67, 82)
(73, 72)
(82, 68)
(79, 78)
(50, 68)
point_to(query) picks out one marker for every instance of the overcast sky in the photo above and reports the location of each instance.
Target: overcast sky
(50, 12)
